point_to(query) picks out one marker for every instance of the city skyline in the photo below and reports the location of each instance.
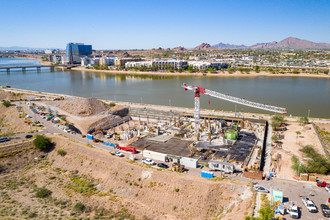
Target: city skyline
(148, 24)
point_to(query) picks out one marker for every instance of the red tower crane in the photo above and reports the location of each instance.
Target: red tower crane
(198, 90)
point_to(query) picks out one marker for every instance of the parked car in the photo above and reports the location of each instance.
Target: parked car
(294, 211)
(327, 188)
(162, 165)
(119, 154)
(309, 205)
(148, 161)
(4, 139)
(325, 210)
(321, 183)
(260, 189)
(28, 136)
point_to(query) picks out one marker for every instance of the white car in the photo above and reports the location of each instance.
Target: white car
(327, 188)
(260, 189)
(309, 205)
(119, 154)
(148, 161)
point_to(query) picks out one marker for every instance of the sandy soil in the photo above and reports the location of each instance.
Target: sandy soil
(324, 126)
(292, 144)
(144, 192)
(218, 74)
(10, 121)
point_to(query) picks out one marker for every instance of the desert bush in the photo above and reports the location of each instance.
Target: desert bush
(43, 192)
(112, 104)
(42, 143)
(79, 207)
(6, 103)
(176, 189)
(61, 152)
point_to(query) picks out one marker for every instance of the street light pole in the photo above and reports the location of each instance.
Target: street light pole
(299, 170)
(235, 110)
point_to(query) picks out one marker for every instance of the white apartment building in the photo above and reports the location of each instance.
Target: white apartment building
(202, 65)
(138, 64)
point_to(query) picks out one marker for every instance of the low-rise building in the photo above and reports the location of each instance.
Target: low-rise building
(138, 64)
(202, 65)
(123, 61)
(166, 63)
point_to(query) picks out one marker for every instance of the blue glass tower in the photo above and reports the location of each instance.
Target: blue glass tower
(77, 49)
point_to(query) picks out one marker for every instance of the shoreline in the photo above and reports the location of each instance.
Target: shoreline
(253, 115)
(218, 74)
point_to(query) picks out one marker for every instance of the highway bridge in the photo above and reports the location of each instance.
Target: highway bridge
(38, 67)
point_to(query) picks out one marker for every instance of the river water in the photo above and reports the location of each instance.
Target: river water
(297, 94)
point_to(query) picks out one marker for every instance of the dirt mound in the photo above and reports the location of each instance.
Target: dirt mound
(83, 107)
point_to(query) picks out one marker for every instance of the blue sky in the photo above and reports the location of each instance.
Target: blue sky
(147, 24)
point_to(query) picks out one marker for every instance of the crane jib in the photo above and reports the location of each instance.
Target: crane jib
(233, 99)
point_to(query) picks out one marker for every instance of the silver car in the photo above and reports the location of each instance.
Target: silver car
(260, 189)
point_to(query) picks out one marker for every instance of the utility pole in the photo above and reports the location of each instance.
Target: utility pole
(309, 111)
(299, 170)
(235, 111)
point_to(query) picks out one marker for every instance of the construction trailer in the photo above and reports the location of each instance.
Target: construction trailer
(189, 162)
(155, 155)
(221, 166)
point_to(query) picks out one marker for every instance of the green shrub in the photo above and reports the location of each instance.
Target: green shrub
(42, 143)
(61, 152)
(112, 104)
(79, 207)
(6, 103)
(176, 189)
(43, 192)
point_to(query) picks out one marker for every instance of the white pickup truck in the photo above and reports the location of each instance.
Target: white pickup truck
(294, 211)
(309, 205)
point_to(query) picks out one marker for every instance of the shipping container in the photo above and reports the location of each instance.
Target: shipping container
(189, 162)
(154, 155)
(221, 166)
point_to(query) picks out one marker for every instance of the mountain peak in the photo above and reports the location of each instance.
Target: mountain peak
(204, 46)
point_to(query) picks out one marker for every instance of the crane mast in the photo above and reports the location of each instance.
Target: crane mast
(197, 90)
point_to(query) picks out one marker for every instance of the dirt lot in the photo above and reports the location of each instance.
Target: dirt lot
(10, 121)
(85, 113)
(291, 145)
(112, 186)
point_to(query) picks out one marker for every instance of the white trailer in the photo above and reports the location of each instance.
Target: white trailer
(221, 166)
(189, 162)
(154, 155)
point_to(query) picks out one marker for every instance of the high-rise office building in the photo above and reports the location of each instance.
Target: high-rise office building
(77, 50)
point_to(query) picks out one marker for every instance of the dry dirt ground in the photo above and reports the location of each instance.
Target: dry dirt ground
(84, 113)
(109, 186)
(324, 126)
(10, 121)
(291, 145)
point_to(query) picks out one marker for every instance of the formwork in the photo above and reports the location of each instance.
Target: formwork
(173, 146)
(240, 151)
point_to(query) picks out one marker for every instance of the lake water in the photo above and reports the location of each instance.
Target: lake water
(297, 94)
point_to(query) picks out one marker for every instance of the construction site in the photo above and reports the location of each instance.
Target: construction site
(228, 144)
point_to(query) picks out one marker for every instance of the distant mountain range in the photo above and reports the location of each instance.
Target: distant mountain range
(23, 48)
(287, 43)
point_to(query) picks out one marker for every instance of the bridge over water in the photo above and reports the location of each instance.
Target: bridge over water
(38, 67)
